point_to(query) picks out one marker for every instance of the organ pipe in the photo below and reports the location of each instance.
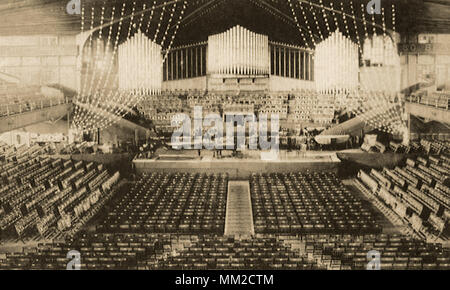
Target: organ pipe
(140, 65)
(336, 64)
(238, 51)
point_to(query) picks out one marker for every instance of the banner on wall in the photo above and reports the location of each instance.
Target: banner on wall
(424, 48)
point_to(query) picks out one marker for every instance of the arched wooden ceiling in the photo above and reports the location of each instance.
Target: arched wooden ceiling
(275, 18)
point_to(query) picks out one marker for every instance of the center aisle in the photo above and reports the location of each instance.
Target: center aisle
(239, 216)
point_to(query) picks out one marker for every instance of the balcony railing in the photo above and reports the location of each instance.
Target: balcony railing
(28, 106)
(440, 102)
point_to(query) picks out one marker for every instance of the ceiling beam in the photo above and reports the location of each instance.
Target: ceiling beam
(391, 33)
(204, 6)
(290, 19)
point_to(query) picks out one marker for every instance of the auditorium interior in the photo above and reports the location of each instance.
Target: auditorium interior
(353, 101)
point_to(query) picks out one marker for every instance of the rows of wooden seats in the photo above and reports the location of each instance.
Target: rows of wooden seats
(171, 203)
(307, 202)
(432, 189)
(416, 192)
(397, 252)
(305, 105)
(434, 146)
(34, 180)
(434, 175)
(311, 106)
(131, 251)
(41, 202)
(229, 253)
(38, 196)
(14, 169)
(97, 252)
(15, 159)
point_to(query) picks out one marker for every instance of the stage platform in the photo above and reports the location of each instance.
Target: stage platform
(237, 167)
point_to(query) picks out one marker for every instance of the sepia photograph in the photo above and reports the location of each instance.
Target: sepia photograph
(250, 137)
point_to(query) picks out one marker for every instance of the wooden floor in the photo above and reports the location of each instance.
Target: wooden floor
(239, 217)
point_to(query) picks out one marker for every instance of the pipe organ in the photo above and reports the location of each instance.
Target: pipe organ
(380, 50)
(336, 64)
(238, 51)
(140, 65)
(381, 70)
